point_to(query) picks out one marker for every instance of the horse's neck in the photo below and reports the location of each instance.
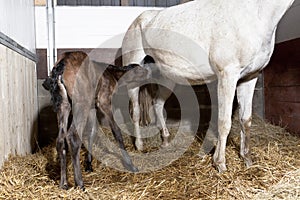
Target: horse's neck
(273, 10)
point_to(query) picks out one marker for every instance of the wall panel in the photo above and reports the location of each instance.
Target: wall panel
(282, 86)
(17, 22)
(18, 104)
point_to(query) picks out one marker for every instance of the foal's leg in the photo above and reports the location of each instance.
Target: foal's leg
(126, 158)
(106, 109)
(227, 81)
(74, 144)
(63, 116)
(92, 122)
(61, 146)
(133, 94)
(245, 93)
(163, 94)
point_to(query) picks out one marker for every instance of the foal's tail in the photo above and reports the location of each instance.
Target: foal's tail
(51, 84)
(147, 95)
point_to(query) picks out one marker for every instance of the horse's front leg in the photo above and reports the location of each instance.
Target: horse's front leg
(245, 93)
(227, 81)
(74, 144)
(133, 94)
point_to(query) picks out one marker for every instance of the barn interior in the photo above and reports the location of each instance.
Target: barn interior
(28, 157)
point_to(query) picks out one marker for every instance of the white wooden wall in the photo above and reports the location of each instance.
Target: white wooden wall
(18, 104)
(18, 79)
(86, 27)
(17, 21)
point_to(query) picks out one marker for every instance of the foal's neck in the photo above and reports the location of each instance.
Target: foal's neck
(117, 71)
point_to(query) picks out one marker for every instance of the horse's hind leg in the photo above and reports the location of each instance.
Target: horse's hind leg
(133, 53)
(74, 143)
(245, 93)
(134, 96)
(163, 94)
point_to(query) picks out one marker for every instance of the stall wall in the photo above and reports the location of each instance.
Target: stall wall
(282, 86)
(18, 79)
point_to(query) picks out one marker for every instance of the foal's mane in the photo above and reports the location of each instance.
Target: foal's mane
(121, 69)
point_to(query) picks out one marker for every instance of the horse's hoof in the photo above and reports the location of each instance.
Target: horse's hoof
(248, 162)
(139, 146)
(165, 145)
(221, 167)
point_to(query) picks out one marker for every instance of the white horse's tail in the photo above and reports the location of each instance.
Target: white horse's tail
(147, 95)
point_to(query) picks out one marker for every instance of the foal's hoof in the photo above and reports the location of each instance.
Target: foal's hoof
(64, 187)
(134, 169)
(131, 168)
(81, 188)
(88, 168)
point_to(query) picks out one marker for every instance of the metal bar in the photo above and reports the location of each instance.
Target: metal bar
(51, 51)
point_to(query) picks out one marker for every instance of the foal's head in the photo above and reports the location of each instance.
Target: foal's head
(136, 73)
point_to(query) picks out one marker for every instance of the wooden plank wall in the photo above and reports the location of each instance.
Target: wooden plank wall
(18, 104)
(282, 86)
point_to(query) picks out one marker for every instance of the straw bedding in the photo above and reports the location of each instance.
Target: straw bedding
(274, 175)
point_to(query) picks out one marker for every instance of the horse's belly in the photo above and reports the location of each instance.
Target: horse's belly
(184, 63)
(187, 75)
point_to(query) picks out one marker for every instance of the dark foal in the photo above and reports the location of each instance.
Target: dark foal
(61, 85)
